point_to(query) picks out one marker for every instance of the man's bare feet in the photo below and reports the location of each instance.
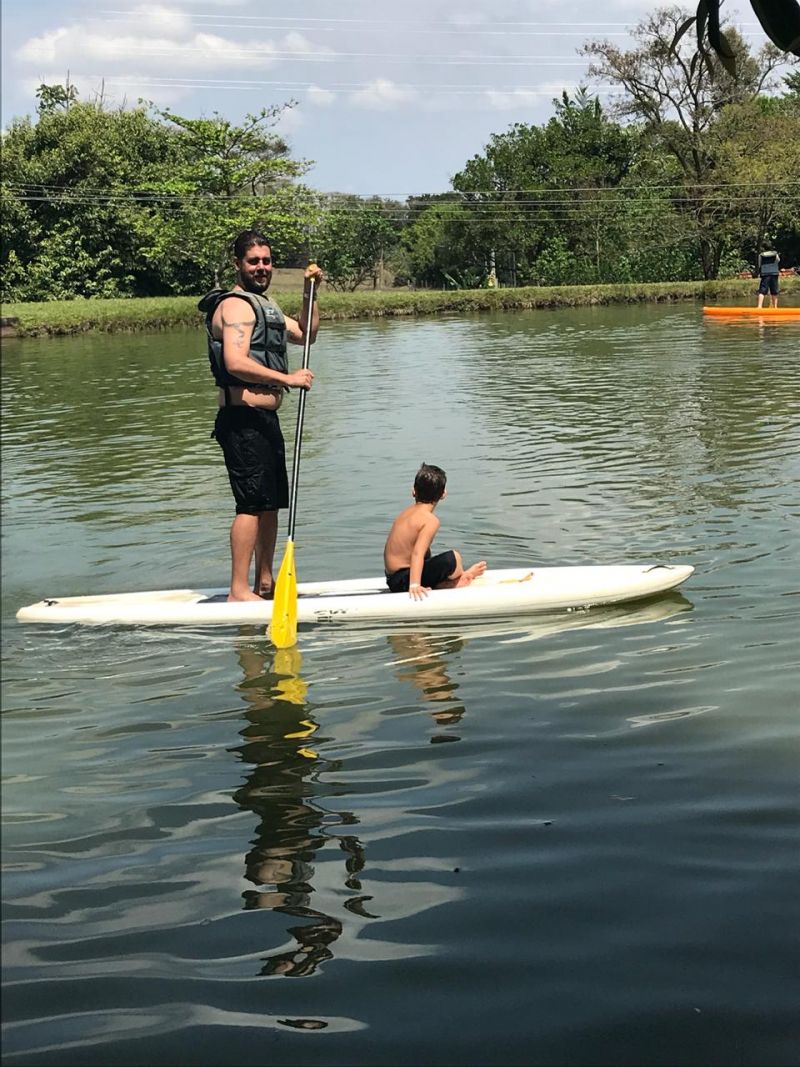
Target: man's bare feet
(246, 595)
(471, 573)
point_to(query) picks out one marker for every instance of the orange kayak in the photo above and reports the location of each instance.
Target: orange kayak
(761, 313)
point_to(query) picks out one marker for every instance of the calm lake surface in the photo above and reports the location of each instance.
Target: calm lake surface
(564, 840)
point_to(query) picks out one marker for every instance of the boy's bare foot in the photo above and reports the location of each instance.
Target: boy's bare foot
(248, 595)
(471, 573)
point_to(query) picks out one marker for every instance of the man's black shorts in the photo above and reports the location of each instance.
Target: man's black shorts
(252, 443)
(769, 284)
(435, 570)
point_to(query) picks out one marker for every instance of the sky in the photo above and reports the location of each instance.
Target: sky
(391, 100)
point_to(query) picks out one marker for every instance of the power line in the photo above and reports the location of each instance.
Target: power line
(390, 24)
(345, 87)
(236, 53)
(587, 211)
(452, 194)
(213, 22)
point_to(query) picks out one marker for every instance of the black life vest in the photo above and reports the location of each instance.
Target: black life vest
(267, 344)
(769, 263)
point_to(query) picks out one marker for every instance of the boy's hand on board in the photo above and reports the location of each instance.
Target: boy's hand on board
(418, 592)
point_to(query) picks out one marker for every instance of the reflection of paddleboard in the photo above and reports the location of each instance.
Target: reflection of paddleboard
(498, 594)
(751, 312)
(523, 629)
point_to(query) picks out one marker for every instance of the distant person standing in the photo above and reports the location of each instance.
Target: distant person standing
(769, 266)
(247, 338)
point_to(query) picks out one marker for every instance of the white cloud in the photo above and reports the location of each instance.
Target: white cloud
(320, 97)
(299, 45)
(510, 99)
(382, 95)
(159, 52)
(167, 20)
(74, 46)
(290, 121)
(155, 39)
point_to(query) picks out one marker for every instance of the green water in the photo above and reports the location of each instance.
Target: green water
(569, 840)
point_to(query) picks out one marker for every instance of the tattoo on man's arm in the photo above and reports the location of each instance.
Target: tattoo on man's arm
(237, 325)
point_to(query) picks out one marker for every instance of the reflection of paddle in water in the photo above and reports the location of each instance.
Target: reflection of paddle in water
(292, 827)
(420, 660)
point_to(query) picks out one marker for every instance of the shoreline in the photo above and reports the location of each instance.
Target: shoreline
(66, 317)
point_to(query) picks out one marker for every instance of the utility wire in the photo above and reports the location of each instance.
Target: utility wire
(454, 196)
(587, 211)
(237, 53)
(390, 24)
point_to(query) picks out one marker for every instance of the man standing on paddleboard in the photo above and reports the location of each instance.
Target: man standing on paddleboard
(247, 339)
(769, 269)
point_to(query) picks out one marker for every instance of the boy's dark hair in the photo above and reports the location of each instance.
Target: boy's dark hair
(248, 239)
(429, 484)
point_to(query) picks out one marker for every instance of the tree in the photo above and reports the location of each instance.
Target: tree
(758, 145)
(540, 193)
(439, 245)
(67, 179)
(226, 178)
(56, 97)
(353, 238)
(676, 97)
(130, 202)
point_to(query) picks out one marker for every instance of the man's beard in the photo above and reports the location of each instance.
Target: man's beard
(253, 286)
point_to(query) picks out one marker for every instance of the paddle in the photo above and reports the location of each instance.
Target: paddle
(283, 625)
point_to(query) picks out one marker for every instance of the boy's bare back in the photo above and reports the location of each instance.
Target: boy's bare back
(415, 526)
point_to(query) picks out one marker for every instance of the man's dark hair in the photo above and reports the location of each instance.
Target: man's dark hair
(248, 239)
(429, 484)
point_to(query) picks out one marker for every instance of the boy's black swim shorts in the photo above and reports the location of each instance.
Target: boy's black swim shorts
(435, 570)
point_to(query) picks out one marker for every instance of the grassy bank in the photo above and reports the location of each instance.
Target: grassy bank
(156, 313)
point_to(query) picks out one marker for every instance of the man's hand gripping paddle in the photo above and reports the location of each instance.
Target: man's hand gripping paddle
(283, 626)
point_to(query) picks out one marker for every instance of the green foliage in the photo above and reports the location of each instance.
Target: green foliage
(555, 263)
(53, 97)
(534, 201)
(133, 201)
(438, 242)
(78, 316)
(676, 97)
(691, 172)
(225, 178)
(352, 240)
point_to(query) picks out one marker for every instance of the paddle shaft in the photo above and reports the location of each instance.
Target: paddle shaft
(301, 411)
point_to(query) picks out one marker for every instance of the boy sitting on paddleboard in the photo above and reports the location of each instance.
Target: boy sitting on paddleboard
(407, 556)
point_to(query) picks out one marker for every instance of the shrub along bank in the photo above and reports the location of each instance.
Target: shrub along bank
(161, 313)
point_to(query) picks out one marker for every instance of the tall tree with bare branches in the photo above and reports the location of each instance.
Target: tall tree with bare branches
(677, 95)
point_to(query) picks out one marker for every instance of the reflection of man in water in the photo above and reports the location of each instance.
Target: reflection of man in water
(278, 789)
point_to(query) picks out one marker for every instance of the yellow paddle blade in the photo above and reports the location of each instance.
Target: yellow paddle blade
(283, 626)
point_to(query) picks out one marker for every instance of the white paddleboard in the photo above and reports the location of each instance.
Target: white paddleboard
(496, 594)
